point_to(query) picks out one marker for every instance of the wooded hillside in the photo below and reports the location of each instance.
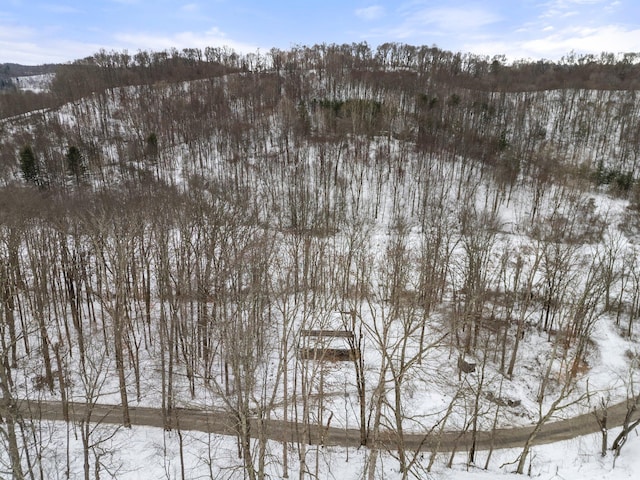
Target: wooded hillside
(171, 223)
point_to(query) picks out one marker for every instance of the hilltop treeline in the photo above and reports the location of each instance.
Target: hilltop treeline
(110, 69)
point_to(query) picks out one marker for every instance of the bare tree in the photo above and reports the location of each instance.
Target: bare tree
(10, 417)
(395, 328)
(629, 424)
(578, 323)
(95, 435)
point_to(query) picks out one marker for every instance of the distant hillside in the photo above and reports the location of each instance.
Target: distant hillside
(9, 71)
(389, 63)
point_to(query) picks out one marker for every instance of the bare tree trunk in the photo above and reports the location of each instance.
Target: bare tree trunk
(9, 412)
(601, 417)
(627, 426)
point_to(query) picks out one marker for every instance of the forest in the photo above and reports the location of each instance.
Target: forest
(399, 241)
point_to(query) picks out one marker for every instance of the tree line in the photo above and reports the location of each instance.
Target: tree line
(607, 71)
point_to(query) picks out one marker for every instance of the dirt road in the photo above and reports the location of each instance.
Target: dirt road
(222, 423)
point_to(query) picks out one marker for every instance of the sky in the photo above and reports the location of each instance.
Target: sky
(54, 31)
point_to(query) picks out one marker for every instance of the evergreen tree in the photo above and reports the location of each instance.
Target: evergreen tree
(75, 163)
(152, 147)
(29, 165)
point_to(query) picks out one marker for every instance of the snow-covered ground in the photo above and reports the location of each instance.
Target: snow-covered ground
(144, 453)
(34, 83)
(431, 384)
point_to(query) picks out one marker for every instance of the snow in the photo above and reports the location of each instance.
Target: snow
(143, 453)
(427, 393)
(152, 453)
(34, 83)
(609, 367)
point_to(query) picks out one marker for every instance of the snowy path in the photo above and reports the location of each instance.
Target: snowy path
(221, 422)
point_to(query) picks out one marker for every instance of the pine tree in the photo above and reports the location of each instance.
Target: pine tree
(75, 163)
(152, 147)
(29, 165)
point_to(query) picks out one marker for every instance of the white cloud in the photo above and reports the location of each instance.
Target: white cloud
(448, 27)
(190, 7)
(609, 38)
(568, 8)
(563, 4)
(10, 32)
(30, 51)
(448, 20)
(370, 13)
(152, 41)
(550, 29)
(56, 8)
(612, 7)
(31, 46)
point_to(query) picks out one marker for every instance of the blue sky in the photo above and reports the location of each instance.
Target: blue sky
(33, 31)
